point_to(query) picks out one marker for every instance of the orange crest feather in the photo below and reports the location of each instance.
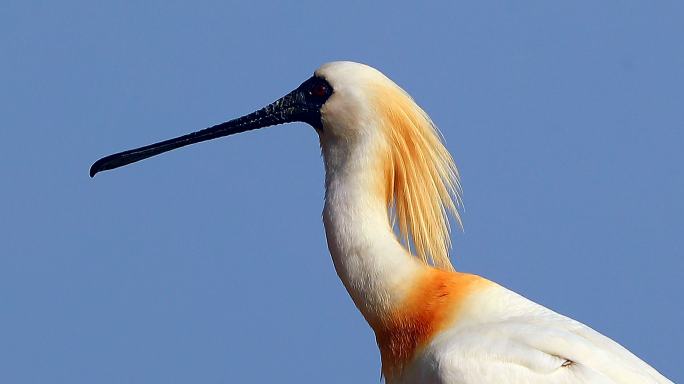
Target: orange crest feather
(422, 182)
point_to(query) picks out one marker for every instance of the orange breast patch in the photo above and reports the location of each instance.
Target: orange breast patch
(431, 305)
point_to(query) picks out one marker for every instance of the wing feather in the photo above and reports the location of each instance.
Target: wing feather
(505, 338)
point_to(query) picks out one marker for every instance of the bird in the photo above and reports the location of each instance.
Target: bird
(390, 188)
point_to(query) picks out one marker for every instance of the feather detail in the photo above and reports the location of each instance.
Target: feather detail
(421, 178)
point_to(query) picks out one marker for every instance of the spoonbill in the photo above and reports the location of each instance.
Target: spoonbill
(389, 186)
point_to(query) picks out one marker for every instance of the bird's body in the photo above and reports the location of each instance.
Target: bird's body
(389, 185)
(498, 336)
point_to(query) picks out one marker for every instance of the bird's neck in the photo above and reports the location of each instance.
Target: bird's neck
(405, 301)
(372, 264)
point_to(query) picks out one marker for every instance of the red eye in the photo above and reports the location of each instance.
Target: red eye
(319, 90)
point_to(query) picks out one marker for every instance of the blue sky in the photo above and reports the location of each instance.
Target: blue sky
(208, 264)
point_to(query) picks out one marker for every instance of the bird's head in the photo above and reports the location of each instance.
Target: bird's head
(351, 105)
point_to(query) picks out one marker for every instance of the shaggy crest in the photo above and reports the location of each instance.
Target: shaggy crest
(422, 181)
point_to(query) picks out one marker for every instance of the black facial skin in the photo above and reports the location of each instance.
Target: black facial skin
(303, 105)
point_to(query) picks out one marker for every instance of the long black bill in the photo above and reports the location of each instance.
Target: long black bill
(295, 106)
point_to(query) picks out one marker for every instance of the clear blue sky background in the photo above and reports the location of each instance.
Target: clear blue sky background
(209, 264)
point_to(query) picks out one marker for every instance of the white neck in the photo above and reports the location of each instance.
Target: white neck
(372, 264)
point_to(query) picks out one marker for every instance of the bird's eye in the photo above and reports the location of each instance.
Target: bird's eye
(319, 90)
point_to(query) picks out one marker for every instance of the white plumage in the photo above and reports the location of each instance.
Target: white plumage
(502, 337)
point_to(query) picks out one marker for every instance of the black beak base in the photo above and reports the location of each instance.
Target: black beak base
(298, 105)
